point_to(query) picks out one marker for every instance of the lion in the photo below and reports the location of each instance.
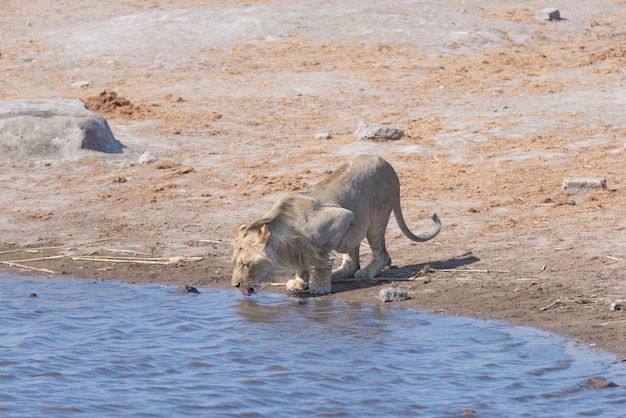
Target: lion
(304, 228)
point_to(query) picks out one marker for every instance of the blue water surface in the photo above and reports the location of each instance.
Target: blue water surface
(94, 348)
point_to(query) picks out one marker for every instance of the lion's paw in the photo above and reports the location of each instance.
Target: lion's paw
(365, 273)
(319, 288)
(295, 285)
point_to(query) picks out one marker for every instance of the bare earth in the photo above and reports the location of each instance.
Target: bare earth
(498, 107)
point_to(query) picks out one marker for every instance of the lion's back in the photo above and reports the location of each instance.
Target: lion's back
(366, 180)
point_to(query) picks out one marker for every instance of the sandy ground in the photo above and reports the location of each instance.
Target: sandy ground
(498, 107)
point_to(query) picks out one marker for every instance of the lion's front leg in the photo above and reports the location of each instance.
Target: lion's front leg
(319, 280)
(299, 282)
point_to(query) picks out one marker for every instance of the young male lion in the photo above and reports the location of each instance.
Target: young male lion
(303, 228)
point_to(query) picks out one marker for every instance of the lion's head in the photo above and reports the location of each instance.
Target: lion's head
(251, 264)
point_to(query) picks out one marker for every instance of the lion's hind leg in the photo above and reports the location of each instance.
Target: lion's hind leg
(349, 265)
(380, 256)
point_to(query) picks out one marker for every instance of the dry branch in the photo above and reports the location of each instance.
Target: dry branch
(165, 261)
(552, 305)
(14, 264)
(80, 244)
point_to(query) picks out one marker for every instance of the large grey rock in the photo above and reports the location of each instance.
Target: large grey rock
(53, 129)
(376, 131)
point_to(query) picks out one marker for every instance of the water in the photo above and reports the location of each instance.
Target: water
(92, 348)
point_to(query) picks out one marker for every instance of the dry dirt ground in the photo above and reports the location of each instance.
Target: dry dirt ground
(498, 108)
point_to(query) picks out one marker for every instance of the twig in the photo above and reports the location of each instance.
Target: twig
(172, 260)
(17, 250)
(471, 271)
(13, 264)
(613, 258)
(552, 305)
(52, 257)
(113, 250)
(606, 324)
(212, 241)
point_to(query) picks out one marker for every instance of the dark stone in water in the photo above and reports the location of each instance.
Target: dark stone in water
(185, 288)
(600, 383)
(32, 295)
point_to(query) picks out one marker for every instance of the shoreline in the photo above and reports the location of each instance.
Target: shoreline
(243, 101)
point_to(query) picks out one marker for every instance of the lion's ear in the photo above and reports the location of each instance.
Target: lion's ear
(264, 233)
(240, 231)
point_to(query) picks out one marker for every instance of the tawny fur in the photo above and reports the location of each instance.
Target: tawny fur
(303, 228)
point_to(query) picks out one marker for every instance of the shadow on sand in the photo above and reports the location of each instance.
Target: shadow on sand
(395, 273)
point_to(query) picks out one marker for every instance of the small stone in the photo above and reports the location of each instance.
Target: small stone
(392, 294)
(323, 135)
(576, 186)
(185, 288)
(148, 157)
(32, 295)
(377, 131)
(615, 306)
(497, 90)
(548, 14)
(80, 84)
(600, 383)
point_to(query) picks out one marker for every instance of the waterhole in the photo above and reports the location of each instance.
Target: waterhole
(93, 348)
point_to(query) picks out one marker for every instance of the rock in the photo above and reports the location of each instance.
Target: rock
(497, 90)
(583, 185)
(53, 129)
(148, 157)
(548, 14)
(599, 383)
(392, 294)
(377, 131)
(323, 135)
(615, 306)
(80, 84)
(185, 288)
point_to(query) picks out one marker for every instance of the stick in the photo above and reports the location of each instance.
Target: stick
(17, 250)
(35, 259)
(552, 305)
(12, 264)
(212, 241)
(606, 324)
(103, 259)
(113, 250)
(471, 271)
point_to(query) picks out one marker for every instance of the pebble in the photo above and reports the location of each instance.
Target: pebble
(548, 14)
(80, 84)
(392, 294)
(185, 288)
(575, 186)
(323, 135)
(600, 383)
(148, 157)
(615, 306)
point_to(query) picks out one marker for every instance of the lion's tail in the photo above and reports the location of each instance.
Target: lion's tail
(397, 211)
